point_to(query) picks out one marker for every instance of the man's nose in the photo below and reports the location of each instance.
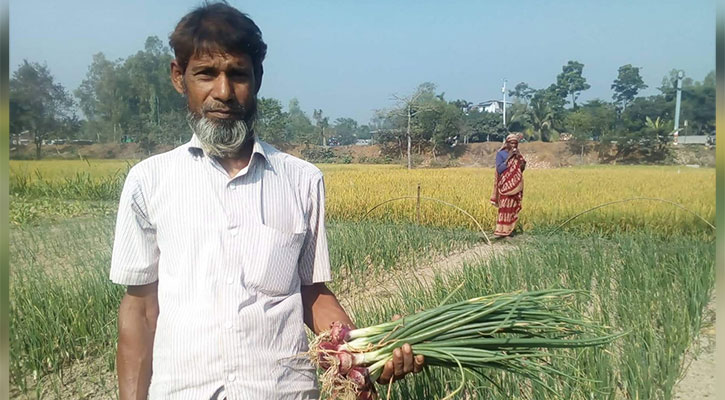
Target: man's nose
(223, 90)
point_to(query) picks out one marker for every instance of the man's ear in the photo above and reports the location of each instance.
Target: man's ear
(177, 76)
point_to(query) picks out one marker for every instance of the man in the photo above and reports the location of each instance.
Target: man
(222, 241)
(508, 186)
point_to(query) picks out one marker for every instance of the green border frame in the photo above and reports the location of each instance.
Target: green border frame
(4, 200)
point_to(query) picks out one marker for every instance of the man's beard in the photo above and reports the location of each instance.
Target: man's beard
(223, 138)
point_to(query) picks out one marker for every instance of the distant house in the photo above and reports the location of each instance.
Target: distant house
(703, 140)
(21, 139)
(491, 106)
(363, 142)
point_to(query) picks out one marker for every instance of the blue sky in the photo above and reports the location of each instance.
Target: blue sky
(349, 57)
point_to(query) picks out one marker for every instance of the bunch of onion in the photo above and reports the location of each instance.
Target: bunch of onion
(512, 332)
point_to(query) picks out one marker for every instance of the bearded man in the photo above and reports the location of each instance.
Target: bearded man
(221, 242)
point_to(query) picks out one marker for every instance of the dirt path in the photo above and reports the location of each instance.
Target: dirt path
(698, 382)
(426, 271)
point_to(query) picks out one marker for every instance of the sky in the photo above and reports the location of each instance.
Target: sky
(349, 58)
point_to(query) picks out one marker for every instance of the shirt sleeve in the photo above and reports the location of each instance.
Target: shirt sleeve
(135, 256)
(314, 261)
(501, 161)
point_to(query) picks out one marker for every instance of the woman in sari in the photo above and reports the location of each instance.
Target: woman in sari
(508, 186)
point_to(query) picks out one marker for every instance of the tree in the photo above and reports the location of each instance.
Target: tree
(701, 105)
(522, 92)
(410, 106)
(346, 131)
(484, 126)
(591, 121)
(655, 139)
(150, 95)
(518, 119)
(542, 118)
(439, 123)
(299, 127)
(105, 94)
(633, 118)
(555, 98)
(271, 121)
(627, 85)
(39, 104)
(603, 117)
(461, 104)
(650, 142)
(571, 81)
(580, 124)
(133, 97)
(388, 132)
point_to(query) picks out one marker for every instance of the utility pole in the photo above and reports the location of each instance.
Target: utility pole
(680, 75)
(503, 90)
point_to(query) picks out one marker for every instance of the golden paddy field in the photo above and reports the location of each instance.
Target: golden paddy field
(550, 195)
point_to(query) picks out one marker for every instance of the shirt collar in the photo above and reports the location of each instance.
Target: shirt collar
(195, 149)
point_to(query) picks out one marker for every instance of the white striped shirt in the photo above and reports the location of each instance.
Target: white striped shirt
(230, 256)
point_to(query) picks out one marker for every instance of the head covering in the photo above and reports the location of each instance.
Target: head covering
(513, 137)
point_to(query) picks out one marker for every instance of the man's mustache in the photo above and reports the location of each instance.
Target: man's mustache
(219, 106)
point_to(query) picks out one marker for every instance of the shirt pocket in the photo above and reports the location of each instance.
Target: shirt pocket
(274, 258)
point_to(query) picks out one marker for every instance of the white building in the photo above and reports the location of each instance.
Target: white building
(491, 106)
(695, 139)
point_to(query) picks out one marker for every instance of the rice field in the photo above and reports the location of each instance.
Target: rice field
(647, 265)
(550, 195)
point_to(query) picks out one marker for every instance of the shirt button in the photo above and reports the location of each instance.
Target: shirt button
(230, 280)
(234, 231)
(231, 377)
(229, 325)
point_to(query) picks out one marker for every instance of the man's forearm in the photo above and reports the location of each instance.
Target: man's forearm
(321, 308)
(136, 326)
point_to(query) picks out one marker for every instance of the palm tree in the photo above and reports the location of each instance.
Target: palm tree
(542, 118)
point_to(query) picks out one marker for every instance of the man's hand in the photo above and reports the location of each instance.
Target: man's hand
(403, 363)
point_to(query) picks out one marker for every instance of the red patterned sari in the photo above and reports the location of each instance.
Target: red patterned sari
(508, 191)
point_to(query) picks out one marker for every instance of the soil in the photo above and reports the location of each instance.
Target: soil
(698, 379)
(538, 154)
